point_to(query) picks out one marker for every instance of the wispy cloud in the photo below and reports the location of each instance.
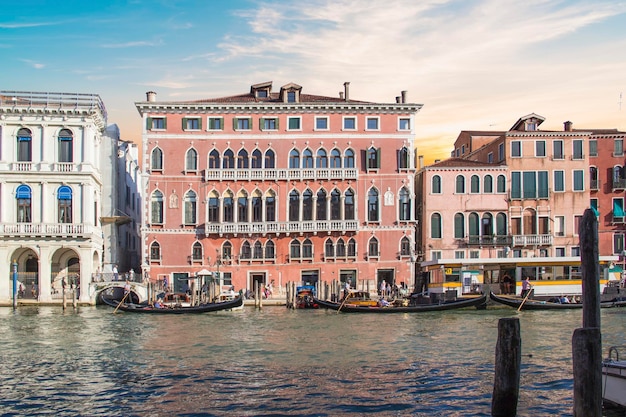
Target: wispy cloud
(132, 44)
(23, 25)
(34, 64)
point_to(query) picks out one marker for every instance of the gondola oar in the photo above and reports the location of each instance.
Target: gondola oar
(120, 303)
(343, 302)
(525, 298)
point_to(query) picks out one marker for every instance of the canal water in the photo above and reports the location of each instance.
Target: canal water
(280, 362)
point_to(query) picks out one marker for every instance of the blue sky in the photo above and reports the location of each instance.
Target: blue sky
(474, 65)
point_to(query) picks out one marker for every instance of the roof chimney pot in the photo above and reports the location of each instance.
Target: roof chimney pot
(346, 87)
(567, 126)
(151, 96)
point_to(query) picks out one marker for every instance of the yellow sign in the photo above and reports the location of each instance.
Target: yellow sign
(448, 271)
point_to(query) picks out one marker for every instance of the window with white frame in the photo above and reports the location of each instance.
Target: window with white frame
(268, 123)
(516, 149)
(321, 123)
(557, 149)
(559, 252)
(371, 123)
(459, 254)
(559, 226)
(559, 181)
(579, 180)
(618, 243)
(192, 123)
(540, 148)
(242, 123)
(156, 123)
(404, 123)
(294, 123)
(349, 123)
(216, 123)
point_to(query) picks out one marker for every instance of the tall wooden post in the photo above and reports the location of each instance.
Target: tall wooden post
(507, 368)
(587, 342)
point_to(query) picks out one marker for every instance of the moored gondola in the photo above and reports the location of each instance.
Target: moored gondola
(163, 309)
(550, 304)
(419, 308)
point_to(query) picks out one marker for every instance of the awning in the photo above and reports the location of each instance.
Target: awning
(618, 209)
(595, 211)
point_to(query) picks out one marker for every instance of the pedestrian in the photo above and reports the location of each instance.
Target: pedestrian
(35, 290)
(165, 284)
(346, 289)
(131, 275)
(115, 272)
(381, 289)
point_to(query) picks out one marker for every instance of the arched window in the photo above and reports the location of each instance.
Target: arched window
(294, 159)
(329, 248)
(294, 206)
(191, 160)
(190, 207)
(307, 249)
(214, 159)
(487, 224)
(307, 205)
(229, 159)
(214, 208)
(341, 248)
(270, 159)
(66, 146)
(242, 159)
(373, 158)
(372, 205)
(270, 250)
(156, 159)
(257, 207)
(156, 206)
(372, 247)
(474, 225)
(335, 205)
(24, 145)
(196, 251)
(307, 158)
(242, 207)
(335, 158)
(321, 205)
(64, 197)
(257, 252)
(352, 247)
(488, 184)
(436, 184)
(23, 196)
(460, 184)
(270, 207)
(257, 159)
(403, 158)
(348, 205)
(348, 159)
(228, 208)
(501, 224)
(404, 204)
(501, 184)
(405, 246)
(459, 226)
(155, 251)
(246, 250)
(321, 159)
(475, 184)
(435, 226)
(294, 249)
(227, 251)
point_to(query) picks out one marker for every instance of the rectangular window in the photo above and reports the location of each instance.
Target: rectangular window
(474, 254)
(216, 123)
(372, 123)
(579, 180)
(435, 255)
(269, 124)
(530, 184)
(349, 123)
(559, 252)
(542, 179)
(594, 206)
(593, 147)
(559, 226)
(490, 158)
(557, 149)
(516, 149)
(404, 124)
(559, 181)
(618, 243)
(291, 97)
(501, 152)
(577, 150)
(191, 124)
(293, 123)
(577, 220)
(321, 123)
(575, 252)
(540, 148)
(516, 185)
(459, 254)
(156, 123)
(618, 147)
(618, 210)
(242, 123)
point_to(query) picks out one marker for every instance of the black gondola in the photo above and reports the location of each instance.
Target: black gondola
(149, 309)
(534, 304)
(446, 305)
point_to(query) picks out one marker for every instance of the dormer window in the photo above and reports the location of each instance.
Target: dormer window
(531, 126)
(290, 93)
(261, 94)
(291, 97)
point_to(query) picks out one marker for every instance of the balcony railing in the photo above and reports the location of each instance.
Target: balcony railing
(489, 240)
(28, 166)
(257, 174)
(46, 230)
(594, 185)
(532, 240)
(282, 227)
(619, 184)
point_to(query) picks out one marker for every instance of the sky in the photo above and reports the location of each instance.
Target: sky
(472, 64)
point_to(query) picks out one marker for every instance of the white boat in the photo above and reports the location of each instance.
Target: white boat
(614, 377)
(229, 295)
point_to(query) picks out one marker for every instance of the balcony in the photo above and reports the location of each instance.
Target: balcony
(57, 230)
(318, 226)
(619, 184)
(54, 167)
(532, 240)
(594, 185)
(489, 240)
(256, 174)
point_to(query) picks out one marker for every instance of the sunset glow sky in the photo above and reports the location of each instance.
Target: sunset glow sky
(474, 65)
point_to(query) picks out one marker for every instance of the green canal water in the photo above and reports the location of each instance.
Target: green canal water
(279, 362)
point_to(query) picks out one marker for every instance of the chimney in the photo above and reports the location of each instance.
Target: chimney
(151, 96)
(346, 87)
(567, 126)
(341, 95)
(403, 96)
(420, 159)
(398, 99)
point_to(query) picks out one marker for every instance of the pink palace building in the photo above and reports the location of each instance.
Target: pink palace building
(272, 187)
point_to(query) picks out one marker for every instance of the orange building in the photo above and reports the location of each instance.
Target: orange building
(273, 187)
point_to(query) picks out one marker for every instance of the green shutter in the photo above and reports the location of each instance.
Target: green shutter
(149, 123)
(277, 121)
(378, 158)
(184, 123)
(200, 123)
(234, 123)
(261, 123)
(165, 123)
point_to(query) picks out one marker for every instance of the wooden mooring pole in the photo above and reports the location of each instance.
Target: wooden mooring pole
(507, 368)
(587, 341)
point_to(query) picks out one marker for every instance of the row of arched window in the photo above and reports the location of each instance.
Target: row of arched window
(476, 185)
(24, 200)
(267, 160)
(298, 249)
(261, 207)
(65, 145)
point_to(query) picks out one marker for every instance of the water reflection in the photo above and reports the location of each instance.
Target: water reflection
(281, 362)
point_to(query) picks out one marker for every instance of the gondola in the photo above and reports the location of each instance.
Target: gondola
(533, 304)
(149, 309)
(419, 308)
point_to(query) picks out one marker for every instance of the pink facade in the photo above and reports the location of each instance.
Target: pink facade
(279, 187)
